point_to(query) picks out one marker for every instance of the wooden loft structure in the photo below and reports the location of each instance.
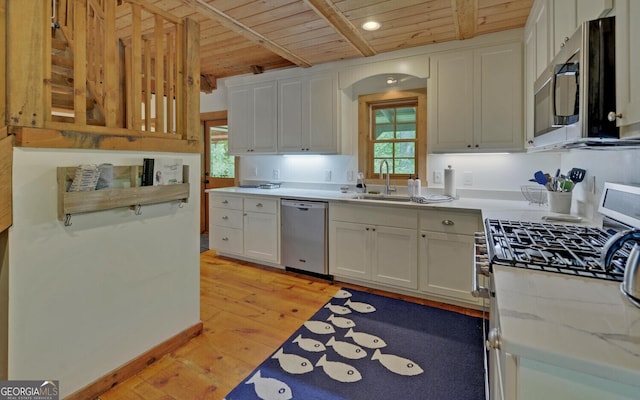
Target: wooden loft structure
(100, 74)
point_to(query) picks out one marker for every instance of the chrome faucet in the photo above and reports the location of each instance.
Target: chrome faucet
(386, 186)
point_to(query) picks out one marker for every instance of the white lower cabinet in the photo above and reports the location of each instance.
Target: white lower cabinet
(247, 226)
(446, 265)
(374, 244)
(446, 254)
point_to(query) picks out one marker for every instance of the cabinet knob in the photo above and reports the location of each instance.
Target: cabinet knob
(612, 116)
(225, 217)
(259, 205)
(469, 146)
(477, 145)
(225, 202)
(530, 141)
(374, 229)
(423, 235)
(226, 239)
(447, 222)
(366, 229)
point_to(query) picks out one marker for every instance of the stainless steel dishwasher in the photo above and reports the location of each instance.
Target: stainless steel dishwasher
(304, 235)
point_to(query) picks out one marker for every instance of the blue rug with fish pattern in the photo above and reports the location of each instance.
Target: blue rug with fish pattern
(365, 346)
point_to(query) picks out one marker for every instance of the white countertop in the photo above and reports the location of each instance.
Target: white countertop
(582, 324)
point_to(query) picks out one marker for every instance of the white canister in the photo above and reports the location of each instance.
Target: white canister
(450, 182)
(560, 202)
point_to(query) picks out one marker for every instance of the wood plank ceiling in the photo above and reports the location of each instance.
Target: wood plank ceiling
(251, 36)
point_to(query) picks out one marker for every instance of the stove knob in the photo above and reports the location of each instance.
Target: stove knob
(493, 339)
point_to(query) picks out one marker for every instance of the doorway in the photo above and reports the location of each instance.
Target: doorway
(219, 168)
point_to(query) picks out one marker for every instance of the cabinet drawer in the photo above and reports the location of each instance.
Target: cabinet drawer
(224, 201)
(450, 222)
(260, 204)
(229, 240)
(226, 217)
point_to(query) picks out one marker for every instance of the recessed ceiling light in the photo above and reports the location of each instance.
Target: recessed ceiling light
(371, 26)
(391, 80)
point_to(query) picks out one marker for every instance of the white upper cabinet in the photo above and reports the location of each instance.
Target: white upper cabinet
(293, 115)
(253, 118)
(569, 14)
(307, 114)
(627, 67)
(476, 100)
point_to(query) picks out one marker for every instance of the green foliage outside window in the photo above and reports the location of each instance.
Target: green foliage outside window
(222, 164)
(395, 138)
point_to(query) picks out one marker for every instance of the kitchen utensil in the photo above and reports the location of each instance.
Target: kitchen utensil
(566, 185)
(540, 177)
(577, 174)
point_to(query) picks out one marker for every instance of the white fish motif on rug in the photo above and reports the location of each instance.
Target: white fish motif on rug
(339, 371)
(396, 364)
(270, 388)
(346, 349)
(366, 340)
(320, 327)
(360, 307)
(337, 309)
(341, 322)
(342, 294)
(308, 344)
(293, 363)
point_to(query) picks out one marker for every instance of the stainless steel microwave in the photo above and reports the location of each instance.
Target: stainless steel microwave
(577, 91)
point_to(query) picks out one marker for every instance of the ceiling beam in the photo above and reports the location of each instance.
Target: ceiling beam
(465, 18)
(238, 27)
(336, 19)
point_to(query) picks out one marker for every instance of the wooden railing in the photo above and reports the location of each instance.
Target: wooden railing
(138, 65)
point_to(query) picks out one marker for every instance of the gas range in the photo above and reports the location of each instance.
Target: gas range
(565, 249)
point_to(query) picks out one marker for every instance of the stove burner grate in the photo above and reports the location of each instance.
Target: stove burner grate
(566, 249)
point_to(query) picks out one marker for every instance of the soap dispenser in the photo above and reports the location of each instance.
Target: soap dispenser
(410, 186)
(417, 187)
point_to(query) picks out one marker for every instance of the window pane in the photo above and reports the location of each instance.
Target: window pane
(222, 164)
(382, 150)
(404, 150)
(385, 116)
(384, 132)
(406, 131)
(404, 166)
(406, 114)
(378, 161)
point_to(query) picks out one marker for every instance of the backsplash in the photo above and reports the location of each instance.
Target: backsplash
(474, 172)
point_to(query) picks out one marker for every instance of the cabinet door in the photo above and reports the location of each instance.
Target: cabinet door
(292, 127)
(261, 236)
(265, 118)
(323, 114)
(627, 65)
(240, 126)
(564, 22)
(451, 102)
(253, 119)
(498, 98)
(541, 20)
(308, 115)
(529, 80)
(395, 256)
(349, 246)
(446, 265)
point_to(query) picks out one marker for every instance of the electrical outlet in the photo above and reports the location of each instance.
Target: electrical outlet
(467, 178)
(350, 176)
(255, 171)
(276, 174)
(437, 176)
(327, 175)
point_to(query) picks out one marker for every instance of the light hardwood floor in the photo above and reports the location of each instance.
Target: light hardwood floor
(248, 312)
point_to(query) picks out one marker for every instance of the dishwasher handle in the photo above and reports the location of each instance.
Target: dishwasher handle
(303, 205)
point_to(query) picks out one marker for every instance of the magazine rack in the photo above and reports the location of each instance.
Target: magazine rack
(134, 196)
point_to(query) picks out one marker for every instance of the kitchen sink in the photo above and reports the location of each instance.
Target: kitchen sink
(381, 197)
